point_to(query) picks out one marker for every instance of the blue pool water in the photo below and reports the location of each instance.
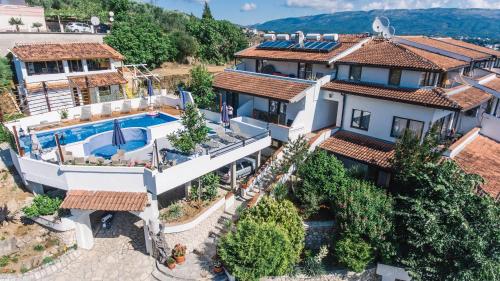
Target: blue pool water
(110, 150)
(79, 133)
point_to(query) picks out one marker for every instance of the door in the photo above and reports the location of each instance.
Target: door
(232, 99)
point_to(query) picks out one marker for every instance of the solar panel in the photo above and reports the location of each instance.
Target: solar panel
(276, 45)
(308, 46)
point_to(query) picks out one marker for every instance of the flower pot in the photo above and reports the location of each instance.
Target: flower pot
(218, 269)
(180, 260)
(171, 265)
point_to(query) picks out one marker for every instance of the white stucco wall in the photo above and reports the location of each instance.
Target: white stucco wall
(383, 112)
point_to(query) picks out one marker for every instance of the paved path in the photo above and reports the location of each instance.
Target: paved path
(118, 254)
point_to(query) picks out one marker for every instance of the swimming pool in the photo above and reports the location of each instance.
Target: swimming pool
(79, 133)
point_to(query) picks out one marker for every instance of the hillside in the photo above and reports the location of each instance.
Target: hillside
(437, 22)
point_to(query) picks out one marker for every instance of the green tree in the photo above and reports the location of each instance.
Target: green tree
(118, 7)
(185, 44)
(294, 153)
(37, 25)
(445, 230)
(322, 175)
(256, 250)
(353, 253)
(194, 130)
(141, 40)
(200, 86)
(16, 21)
(283, 214)
(207, 13)
(5, 74)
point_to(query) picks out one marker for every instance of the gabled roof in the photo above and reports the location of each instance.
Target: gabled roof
(381, 52)
(266, 86)
(98, 80)
(424, 96)
(361, 148)
(493, 84)
(470, 46)
(64, 51)
(470, 97)
(346, 42)
(447, 47)
(105, 200)
(444, 62)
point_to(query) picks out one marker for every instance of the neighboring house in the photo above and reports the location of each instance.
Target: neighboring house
(18, 9)
(54, 76)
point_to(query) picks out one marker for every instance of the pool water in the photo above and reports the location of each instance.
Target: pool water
(80, 133)
(110, 150)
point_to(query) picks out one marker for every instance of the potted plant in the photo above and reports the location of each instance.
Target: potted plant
(171, 263)
(179, 253)
(217, 266)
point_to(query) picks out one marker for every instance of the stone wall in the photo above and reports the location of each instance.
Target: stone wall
(318, 233)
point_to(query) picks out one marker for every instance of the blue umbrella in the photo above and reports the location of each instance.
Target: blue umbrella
(183, 97)
(118, 138)
(224, 114)
(150, 90)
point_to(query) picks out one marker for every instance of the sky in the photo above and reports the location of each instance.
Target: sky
(248, 12)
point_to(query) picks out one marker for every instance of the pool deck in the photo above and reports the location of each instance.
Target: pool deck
(71, 122)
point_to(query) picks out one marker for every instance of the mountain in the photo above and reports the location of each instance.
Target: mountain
(431, 22)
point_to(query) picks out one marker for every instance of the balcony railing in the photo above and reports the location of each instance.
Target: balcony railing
(236, 145)
(279, 118)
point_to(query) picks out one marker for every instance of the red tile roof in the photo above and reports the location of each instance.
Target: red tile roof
(493, 84)
(346, 41)
(470, 46)
(470, 98)
(64, 51)
(105, 200)
(260, 85)
(361, 148)
(381, 52)
(98, 80)
(425, 97)
(51, 85)
(447, 47)
(482, 156)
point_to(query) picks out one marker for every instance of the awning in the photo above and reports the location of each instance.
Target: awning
(105, 200)
(98, 80)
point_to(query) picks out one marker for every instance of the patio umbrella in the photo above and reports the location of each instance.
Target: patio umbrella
(36, 147)
(118, 138)
(155, 162)
(182, 96)
(150, 90)
(224, 114)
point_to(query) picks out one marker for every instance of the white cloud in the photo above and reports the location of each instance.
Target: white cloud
(348, 5)
(248, 7)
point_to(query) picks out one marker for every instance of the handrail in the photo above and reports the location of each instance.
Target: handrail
(233, 146)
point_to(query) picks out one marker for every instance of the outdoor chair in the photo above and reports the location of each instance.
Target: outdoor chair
(143, 105)
(106, 110)
(127, 107)
(93, 160)
(223, 136)
(86, 114)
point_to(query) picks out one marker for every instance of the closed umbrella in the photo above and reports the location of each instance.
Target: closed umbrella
(118, 137)
(224, 114)
(150, 90)
(36, 147)
(183, 97)
(155, 161)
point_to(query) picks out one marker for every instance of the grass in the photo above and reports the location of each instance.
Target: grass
(4, 261)
(47, 260)
(39, 248)
(24, 269)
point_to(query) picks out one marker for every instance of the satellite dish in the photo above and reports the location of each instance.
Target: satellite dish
(388, 32)
(381, 26)
(95, 21)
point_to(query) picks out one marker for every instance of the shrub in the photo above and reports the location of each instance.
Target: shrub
(283, 214)
(38, 248)
(172, 212)
(280, 191)
(42, 205)
(251, 251)
(47, 260)
(194, 130)
(200, 86)
(4, 261)
(210, 183)
(313, 264)
(353, 253)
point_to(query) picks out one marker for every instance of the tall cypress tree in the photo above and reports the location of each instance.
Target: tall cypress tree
(207, 13)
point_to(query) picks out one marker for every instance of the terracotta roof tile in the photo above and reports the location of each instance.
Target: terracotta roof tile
(105, 200)
(361, 148)
(51, 85)
(470, 97)
(482, 156)
(447, 47)
(493, 84)
(381, 52)
(443, 62)
(346, 41)
(260, 85)
(425, 97)
(98, 80)
(470, 46)
(64, 51)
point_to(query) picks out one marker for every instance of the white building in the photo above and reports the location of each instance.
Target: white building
(19, 10)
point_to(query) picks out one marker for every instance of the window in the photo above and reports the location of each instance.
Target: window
(98, 64)
(45, 67)
(399, 125)
(355, 72)
(472, 112)
(394, 77)
(304, 70)
(360, 119)
(75, 66)
(428, 79)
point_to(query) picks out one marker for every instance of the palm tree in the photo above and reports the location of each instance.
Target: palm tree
(16, 21)
(37, 25)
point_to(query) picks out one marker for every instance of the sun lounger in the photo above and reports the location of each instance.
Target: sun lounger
(86, 114)
(223, 136)
(126, 107)
(106, 110)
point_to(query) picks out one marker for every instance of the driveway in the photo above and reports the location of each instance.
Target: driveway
(118, 254)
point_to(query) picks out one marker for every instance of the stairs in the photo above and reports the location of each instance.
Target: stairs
(38, 103)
